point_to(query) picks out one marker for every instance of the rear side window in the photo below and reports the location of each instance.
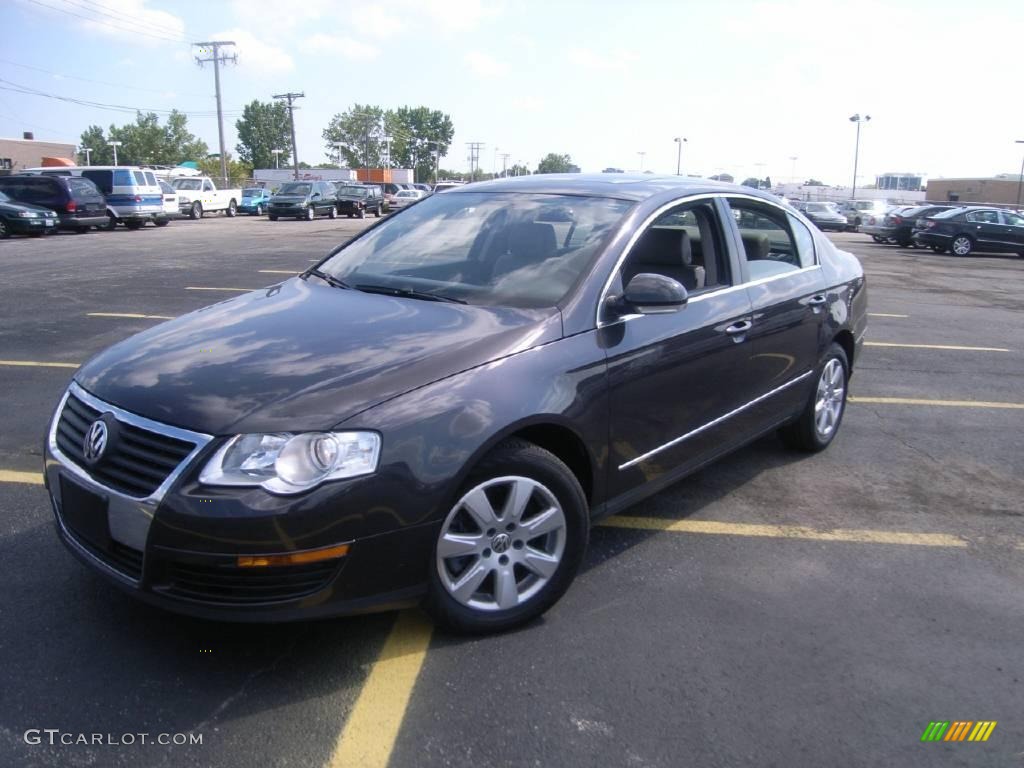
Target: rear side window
(82, 187)
(768, 242)
(984, 217)
(103, 180)
(150, 179)
(140, 178)
(123, 179)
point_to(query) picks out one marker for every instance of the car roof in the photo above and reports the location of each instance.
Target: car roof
(633, 187)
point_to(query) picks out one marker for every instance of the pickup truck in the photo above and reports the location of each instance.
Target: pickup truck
(198, 195)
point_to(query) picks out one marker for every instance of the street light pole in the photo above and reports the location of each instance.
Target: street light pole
(792, 168)
(679, 155)
(115, 145)
(856, 151)
(277, 158)
(88, 154)
(641, 161)
(1020, 180)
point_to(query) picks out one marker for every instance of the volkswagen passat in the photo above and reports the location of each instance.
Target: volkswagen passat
(441, 408)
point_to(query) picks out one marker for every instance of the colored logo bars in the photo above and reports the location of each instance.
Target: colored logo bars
(958, 730)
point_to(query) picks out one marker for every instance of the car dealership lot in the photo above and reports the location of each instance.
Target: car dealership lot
(774, 608)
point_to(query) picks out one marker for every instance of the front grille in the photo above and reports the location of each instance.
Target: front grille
(227, 584)
(84, 516)
(136, 463)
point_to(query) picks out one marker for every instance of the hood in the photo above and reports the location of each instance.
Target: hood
(302, 355)
(15, 206)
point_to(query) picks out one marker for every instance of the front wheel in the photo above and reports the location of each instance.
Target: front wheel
(196, 211)
(232, 210)
(815, 428)
(111, 224)
(333, 213)
(272, 217)
(512, 543)
(377, 212)
(962, 245)
(310, 213)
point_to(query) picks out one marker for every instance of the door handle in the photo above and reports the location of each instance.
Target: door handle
(738, 328)
(817, 301)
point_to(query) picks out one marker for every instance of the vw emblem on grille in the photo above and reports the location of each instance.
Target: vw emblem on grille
(95, 442)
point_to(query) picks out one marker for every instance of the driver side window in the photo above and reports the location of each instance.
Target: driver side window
(768, 243)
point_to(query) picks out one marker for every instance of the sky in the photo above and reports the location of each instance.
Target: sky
(749, 84)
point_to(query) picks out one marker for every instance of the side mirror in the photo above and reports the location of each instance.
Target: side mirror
(652, 294)
(315, 195)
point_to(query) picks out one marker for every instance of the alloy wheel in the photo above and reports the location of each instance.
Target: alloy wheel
(828, 405)
(962, 245)
(501, 543)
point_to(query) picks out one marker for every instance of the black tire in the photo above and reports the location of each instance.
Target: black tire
(878, 239)
(5, 231)
(310, 213)
(111, 224)
(349, 215)
(961, 245)
(362, 213)
(803, 433)
(232, 210)
(938, 249)
(196, 211)
(333, 213)
(134, 224)
(377, 212)
(522, 459)
(36, 234)
(161, 222)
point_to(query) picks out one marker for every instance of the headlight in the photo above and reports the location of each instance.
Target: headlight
(288, 463)
(28, 214)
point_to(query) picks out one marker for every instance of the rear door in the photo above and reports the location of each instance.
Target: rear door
(786, 289)
(89, 201)
(1014, 224)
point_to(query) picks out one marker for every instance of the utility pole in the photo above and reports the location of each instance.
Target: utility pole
(1020, 179)
(856, 151)
(290, 98)
(504, 164)
(214, 46)
(474, 157)
(679, 154)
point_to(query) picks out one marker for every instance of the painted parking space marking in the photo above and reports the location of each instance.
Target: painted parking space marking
(37, 364)
(785, 531)
(24, 478)
(130, 315)
(371, 730)
(950, 347)
(885, 314)
(944, 403)
(204, 288)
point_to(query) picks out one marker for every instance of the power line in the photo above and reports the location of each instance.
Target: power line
(119, 15)
(474, 157)
(28, 91)
(82, 79)
(107, 23)
(217, 58)
(290, 97)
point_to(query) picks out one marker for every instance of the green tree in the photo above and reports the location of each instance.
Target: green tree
(359, 131)
(179, 143)
(452, 175)
(94, 138)
(554, 163)
(518, 170)
(417, 134)
(264, 126)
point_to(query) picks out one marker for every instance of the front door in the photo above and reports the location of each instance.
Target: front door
(1014, 225)
(674, 378)
(986, 229)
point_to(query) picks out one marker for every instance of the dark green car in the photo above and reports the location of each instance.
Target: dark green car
(303, 200)
(25, 219)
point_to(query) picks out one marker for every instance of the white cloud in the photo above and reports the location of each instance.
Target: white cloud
(528, 103)
(125, 20)
(451, 17)
(484, 65)
(602, 62)
(373, 22)
(254, 54)
(341, 46)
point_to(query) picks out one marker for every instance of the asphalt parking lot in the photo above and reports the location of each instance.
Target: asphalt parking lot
(773, 609)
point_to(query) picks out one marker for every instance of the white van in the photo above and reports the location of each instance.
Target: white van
(133, 194)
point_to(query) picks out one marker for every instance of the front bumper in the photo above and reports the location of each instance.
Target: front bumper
(287, 210)
(18, 225)
(76, 221)
(178, 548)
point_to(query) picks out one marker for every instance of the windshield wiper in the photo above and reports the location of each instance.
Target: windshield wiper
(408, 293)
(329, 279)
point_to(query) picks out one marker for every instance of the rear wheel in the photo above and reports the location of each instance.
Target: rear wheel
(161, 222)
(816, 427)
(333, 213)
(272, 217)
(196, 211)
(512, 544)
(111, 224)
(310, 213)
(5, 231)
(134, 224)
(232, 210)
(962, 245)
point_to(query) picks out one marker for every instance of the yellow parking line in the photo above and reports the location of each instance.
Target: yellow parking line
(129, 315)
(945, 403)
(198, 288)
(372, 727)
(278, 272)
(935, 346)
(884, 314)
(785, 531)
(27, 478)
(37, 364)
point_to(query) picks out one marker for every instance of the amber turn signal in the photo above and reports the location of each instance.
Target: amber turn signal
(293, 558)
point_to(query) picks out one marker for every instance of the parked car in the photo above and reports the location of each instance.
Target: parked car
(198, 195)
(392, 189)
(425, 188)
(133, 195)
(444, 405)
(359, 200)
(858, 211)
(897, 226)
(171, 207)
(972, 228)
(406, 197)
(303, 200)
(825, 215)
(79, 205)
(255, 200)
(24, 218)
(444, 186)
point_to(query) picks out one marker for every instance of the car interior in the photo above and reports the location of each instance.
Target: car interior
(683, 245)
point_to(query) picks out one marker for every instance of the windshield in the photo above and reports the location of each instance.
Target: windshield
(252, 192)
(821, 207)
(516, 250)
(188, 184)
(294, 188)
(407, 193)
(353, 191)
